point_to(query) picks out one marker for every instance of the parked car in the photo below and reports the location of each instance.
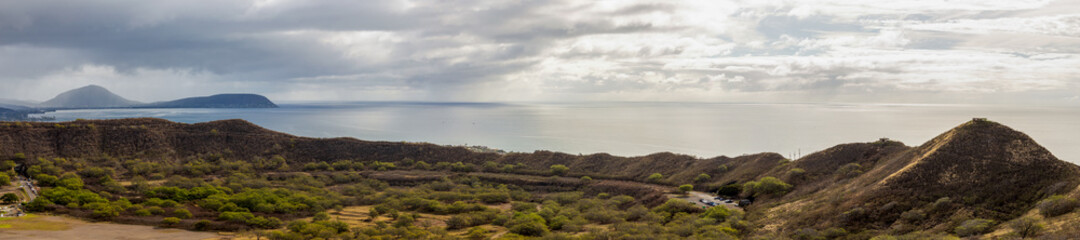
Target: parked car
(729, 201)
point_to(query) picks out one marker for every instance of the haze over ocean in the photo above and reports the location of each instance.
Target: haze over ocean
(631, 129)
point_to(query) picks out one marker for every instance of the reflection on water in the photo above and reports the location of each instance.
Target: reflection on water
(704, 130)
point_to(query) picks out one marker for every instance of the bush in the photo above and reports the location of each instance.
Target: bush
(1056, 205)
(730, 190)
(559, 169)
(974, 227)
(719, 213)
(39, 205)
(702, 178)
(528, 225)
(673, 206)
(202, 225)
(942, 204)
(913, 216)
(834, 233)
(849, 170)
(807, 234)
(9, 198)
(169, 221)
(143, 212)
(766, 186)
(685, 188)
(1027, 227)
(182, 213)
(655, 177)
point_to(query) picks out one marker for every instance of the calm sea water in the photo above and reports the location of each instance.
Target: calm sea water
(631, 129)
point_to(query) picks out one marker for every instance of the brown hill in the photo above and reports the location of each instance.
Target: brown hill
(157, 139)
(996, 170)
(980, 169)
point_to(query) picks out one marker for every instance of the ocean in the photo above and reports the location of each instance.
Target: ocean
(632, 129)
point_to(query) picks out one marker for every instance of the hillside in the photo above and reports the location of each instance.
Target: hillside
(91, 96)
(160, 139)
(217, 101)
(978, 171)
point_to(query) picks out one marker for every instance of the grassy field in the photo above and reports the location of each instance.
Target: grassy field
(45, 227)
(32, 222)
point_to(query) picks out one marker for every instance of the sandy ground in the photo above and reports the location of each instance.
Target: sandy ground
(64, 228)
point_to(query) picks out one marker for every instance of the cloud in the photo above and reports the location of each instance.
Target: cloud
(563, 50)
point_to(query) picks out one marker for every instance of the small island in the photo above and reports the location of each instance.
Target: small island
(97, 97)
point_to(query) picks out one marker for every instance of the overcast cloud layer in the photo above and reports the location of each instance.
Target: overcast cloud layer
(957, 51)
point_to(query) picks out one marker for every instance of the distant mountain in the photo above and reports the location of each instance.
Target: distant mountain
(92, 96)
(16, 104)
(217, 101)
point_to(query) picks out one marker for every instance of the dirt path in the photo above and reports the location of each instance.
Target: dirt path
(64, 228)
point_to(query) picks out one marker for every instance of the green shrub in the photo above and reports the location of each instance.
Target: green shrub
(766, 186)
(203, 225)
(1056, 205)
(719, 213)
(169, 221)
(807, 234)
(730, 190)
(685, 188)
(702, 178)
(849, 170)
(655, 177)
(1027, 227)
(142, 212)
(913, 216)
(559, 169)
(834, 233)
(528, 225)
(181, 213)
(974, 227)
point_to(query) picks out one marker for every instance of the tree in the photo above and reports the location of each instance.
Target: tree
(1027, 227)
(685, 188)
(702, 177)
(655, 177)
(9, 198)
(559, 169)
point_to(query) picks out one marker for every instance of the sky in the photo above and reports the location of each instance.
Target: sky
(1020, 52)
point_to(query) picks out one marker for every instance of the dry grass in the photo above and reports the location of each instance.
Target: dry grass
(33, 222)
